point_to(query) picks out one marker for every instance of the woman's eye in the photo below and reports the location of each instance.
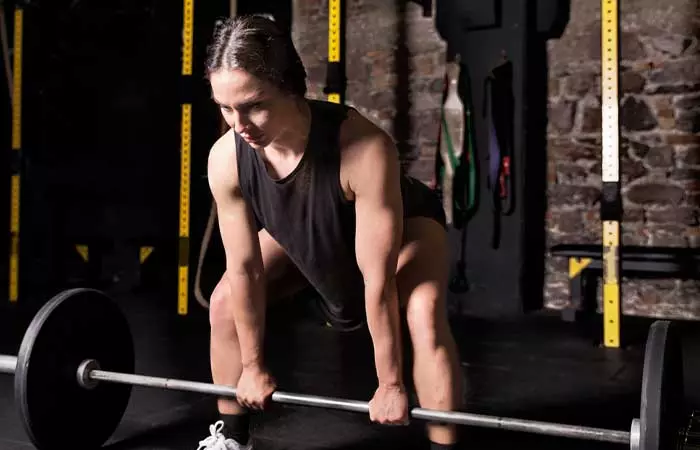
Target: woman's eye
(256, 106)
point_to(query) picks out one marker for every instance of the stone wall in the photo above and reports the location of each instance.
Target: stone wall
(395, 63)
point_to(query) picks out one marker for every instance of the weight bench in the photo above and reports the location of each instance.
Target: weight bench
(586, 266)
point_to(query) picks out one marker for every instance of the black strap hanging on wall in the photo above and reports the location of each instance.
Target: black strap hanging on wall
(498, 110)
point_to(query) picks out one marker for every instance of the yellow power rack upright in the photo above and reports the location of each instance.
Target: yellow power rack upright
(611, 202)
(185, 158)
(335, 79)
(16, 157)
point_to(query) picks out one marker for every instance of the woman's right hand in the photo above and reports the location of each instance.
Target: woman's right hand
(255, 387)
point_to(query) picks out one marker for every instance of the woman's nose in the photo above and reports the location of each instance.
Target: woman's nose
(240, 122)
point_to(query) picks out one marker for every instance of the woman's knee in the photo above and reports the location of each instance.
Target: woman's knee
(426, 316)
(422, 320)
(220, 307)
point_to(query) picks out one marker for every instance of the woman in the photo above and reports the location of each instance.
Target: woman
(312, 192)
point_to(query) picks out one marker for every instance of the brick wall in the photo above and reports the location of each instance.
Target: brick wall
(660, 119)
(660, 152)
(376, 69)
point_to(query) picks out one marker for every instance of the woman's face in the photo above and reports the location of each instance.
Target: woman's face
(254, 108)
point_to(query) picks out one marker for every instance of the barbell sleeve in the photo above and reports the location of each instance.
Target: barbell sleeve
(8, 363)
(454, 417)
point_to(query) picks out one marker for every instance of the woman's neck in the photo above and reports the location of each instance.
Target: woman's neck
(293, 139)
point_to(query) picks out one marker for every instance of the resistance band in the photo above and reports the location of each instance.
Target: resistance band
(455, 165)
(611, 204)
(451, 139)
(185, 160)
(335, 75)
(464, 188)
(16, 155)
(456, 171)
(498, 112)
(465, 192)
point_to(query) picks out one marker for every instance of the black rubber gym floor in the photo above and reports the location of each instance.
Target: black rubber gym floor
(535, 368)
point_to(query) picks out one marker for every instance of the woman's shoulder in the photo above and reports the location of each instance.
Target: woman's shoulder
(222, 157)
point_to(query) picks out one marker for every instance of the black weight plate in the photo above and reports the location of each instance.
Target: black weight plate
(57, 413)
(663, 407)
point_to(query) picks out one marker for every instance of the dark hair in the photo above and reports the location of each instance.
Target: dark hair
(259, 46)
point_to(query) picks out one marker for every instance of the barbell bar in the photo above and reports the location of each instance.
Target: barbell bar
(75, 370)
(89, 372)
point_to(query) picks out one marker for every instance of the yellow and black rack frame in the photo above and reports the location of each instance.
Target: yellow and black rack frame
(16, 155)
(185, 156)
(611, 201)
(586, 260)
(335, 75)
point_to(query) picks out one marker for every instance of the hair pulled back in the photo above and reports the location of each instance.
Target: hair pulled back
(256, 44)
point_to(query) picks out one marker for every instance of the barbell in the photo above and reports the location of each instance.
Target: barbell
(75, 370)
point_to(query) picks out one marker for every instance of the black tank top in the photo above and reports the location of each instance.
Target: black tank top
(307, 213)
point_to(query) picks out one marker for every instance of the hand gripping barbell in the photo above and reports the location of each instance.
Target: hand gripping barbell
(74, 374)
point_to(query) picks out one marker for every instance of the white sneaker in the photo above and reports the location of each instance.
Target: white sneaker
(217, 441)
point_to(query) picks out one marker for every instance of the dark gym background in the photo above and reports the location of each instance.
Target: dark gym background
(101, 92)
(101, 139)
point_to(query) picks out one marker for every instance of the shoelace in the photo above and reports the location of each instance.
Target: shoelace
(216, 440)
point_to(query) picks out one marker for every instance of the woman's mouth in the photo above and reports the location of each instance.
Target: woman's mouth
(251, 138)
